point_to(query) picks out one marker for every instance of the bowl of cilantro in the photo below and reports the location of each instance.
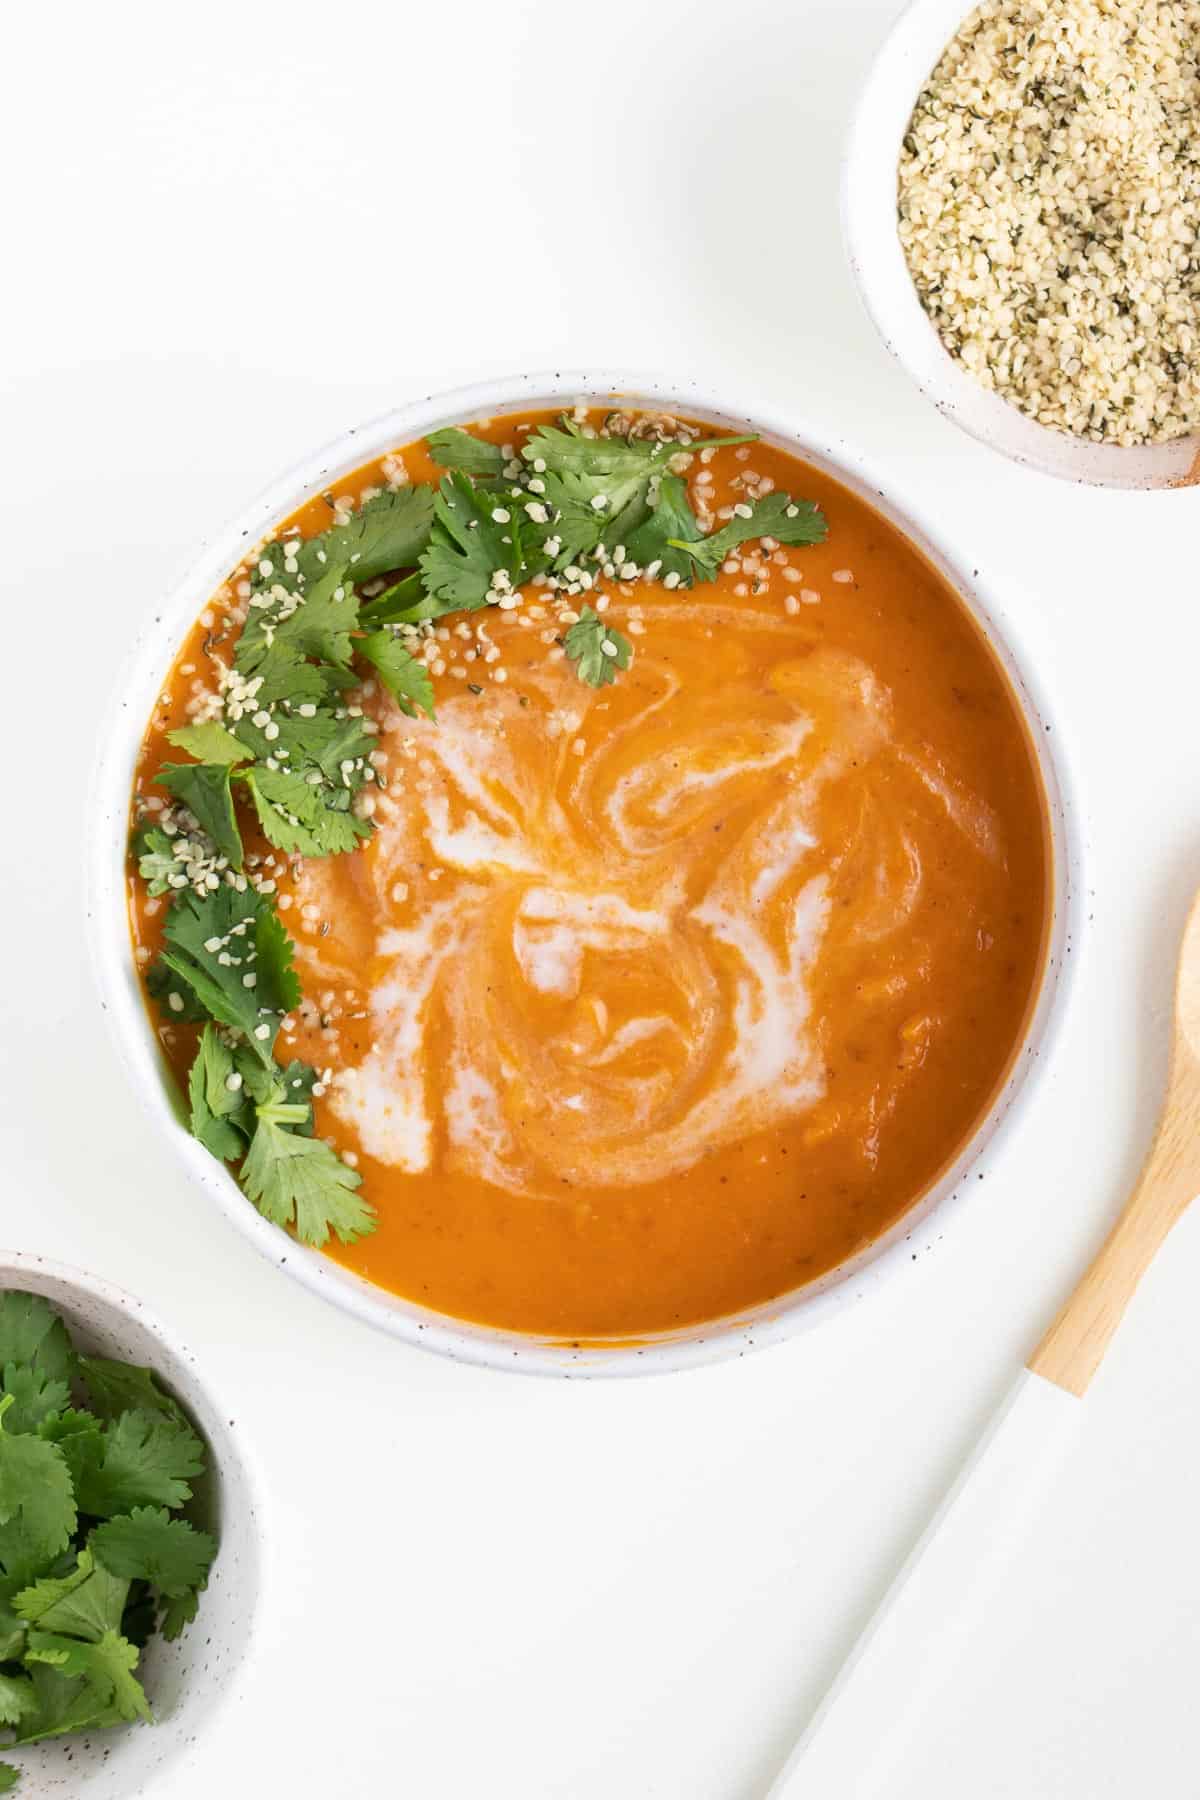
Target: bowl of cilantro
(128, 1539)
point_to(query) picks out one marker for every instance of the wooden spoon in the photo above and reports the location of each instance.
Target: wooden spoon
(852, 1743)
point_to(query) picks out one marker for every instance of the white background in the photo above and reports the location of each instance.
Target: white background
(232, 230)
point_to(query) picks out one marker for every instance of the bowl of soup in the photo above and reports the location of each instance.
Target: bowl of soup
(591, 866)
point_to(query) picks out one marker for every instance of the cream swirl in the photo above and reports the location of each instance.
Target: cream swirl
(596, 915)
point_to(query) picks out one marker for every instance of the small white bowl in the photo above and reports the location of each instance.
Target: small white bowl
(121, 993)
(869, 215)
(186, 1680)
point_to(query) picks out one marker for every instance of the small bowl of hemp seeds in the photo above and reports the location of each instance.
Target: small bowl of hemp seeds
(1021, 202)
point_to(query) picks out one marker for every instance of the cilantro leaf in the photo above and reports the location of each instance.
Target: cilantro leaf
(602, 464)
(672, 518)
(35, 1395)
(80, 1438)
(209, 743)
(328, 743)
(177, 1614)
(175, 998)
(64, 1703)
(296, 1179)
(117, 1387)
(86, 1603)
(458, 449)
(106, 1667)
(404, 603)
(294, 816)
(778, 516)
(404, 675)
(155, 853)
(149, 1544)
(31, 1332)
(12, 1634)
(600, 487)
(316, 622)
(339, 748)
(17, 1697)
(9, 1776)
(246, 932)
(596, 649)
(286, 676)
(37, 1503)
(217, 1109)
(387, 532)
(204, 789)
(148, 1459)
(469, 545)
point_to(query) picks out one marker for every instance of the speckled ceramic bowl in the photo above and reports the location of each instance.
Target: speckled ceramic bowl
(121, 993)
(908, 54)
(184, 1681)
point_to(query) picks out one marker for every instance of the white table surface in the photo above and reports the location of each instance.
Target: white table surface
(233, 230)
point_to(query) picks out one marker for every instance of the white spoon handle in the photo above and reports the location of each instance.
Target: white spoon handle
(878, 1699)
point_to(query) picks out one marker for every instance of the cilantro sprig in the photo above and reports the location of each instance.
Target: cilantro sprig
(778, 516)
(99, 1546)
(596, 649)
(228, 961)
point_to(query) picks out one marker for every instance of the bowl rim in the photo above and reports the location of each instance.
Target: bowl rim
(150, 656)
(905, 58)
(229, 1452)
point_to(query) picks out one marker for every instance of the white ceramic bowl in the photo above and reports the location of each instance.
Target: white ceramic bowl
(184, 1681)
(122, 998)
(898, 74)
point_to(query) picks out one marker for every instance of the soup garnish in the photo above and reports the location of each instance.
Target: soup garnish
(607, 889)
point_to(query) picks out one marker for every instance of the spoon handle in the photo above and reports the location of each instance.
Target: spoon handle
(860, 1728)
(1072, 1349)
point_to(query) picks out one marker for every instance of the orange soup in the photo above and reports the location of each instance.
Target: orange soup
(647, 1001)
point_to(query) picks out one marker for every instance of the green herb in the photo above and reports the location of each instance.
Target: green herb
(234, 956)
(653, 541)
(109, 1691)
(31, 1333)
(155, 853)
(288, 623)
(387, 533)
(596, 649)
(147, 1460)
(174, 996)
(204, 789)
(405, 602)
(476, 537)
(218, 1103)
(295, 818)
(37, 1501)
(243, 1105)
(457, 449)
(402, 674)
(34, 1394)
(778, 516)
(79, 1598)
(149, 1545)
(117, 1387)
(209, 743)
(601, 488)
(87, 1602)
(294, 1179)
